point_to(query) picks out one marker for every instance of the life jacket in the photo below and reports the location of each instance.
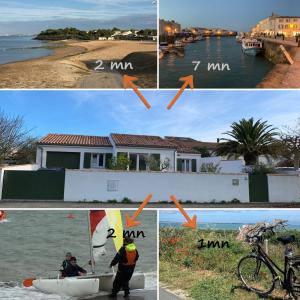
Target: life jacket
(130, 251)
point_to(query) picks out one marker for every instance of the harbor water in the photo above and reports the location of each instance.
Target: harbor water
(33, 244)
(245, 71)
(19, 48)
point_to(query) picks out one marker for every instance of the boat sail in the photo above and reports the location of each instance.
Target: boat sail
(100, 221)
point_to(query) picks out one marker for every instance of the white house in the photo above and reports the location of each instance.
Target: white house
(84, 152)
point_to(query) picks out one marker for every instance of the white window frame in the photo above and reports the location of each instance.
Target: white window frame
(97, 164)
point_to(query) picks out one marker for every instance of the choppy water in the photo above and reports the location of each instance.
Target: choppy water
(33, 243)
(245, 71)
(17, 48)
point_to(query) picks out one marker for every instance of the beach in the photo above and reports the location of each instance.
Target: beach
(68, 67)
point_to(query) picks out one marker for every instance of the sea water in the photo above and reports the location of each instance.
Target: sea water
(245, 71)
(18, 48)
(33, 244)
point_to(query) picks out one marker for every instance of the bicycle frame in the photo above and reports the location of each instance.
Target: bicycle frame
(273, 266)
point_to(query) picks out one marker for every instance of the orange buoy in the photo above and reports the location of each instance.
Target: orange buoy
(3, 215)
(70, 216)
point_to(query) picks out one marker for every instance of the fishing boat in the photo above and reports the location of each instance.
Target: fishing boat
(92, 283)
(163, 46)
(252, 47)
(178, 45)
(199, 38)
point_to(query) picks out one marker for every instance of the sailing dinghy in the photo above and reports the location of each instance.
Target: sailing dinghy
(99, 223)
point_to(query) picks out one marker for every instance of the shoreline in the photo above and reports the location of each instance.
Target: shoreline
(66, 68)
(283, 76)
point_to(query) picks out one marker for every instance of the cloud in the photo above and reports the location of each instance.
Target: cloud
(203, 115)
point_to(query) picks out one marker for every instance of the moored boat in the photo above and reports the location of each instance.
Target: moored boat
(252, 47)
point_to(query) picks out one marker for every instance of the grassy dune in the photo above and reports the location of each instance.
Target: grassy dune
(210, 274)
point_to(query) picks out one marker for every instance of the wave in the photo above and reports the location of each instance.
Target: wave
(13, 291)
(5, 221)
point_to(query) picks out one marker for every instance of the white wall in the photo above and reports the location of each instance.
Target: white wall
(284, 188)
(29, 167)
(92, 185)
(226, 166)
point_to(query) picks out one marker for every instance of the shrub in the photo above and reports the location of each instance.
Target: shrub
(126, 200)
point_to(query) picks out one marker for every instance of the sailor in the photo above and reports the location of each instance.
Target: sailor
(65, 263)
(73, 269)
(126, 259)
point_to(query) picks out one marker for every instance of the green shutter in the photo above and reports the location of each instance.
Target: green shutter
(107, 160)
(87, 160)
(67, 160)
(194, 165)
(179, 165)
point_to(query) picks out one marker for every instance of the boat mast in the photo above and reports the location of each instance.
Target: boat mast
(91, 244)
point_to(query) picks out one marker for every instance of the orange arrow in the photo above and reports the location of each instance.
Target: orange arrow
(192, 223)
(131, 222)
(128, 82)
(188, 80)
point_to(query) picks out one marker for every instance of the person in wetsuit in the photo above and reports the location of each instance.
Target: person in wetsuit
(65, 263)
(73, 269)
(126, 259)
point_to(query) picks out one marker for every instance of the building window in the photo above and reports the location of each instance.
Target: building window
(186, 165)
(97, 160)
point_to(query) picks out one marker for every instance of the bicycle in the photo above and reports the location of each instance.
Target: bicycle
(259, 273)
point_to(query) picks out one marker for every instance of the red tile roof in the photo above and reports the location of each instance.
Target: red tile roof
(133, 140)
(188, 145)
(75, 140)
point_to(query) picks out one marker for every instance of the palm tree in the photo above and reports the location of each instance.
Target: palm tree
(250, 139)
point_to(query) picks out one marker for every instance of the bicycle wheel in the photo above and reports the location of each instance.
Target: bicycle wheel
(256, 275)
(293, 278)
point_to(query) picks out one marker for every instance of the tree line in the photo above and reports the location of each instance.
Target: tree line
(74, 33)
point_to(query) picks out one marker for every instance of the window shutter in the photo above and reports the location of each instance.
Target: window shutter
(87, 160)
(179, 165)
(194, 165)
(108, 157)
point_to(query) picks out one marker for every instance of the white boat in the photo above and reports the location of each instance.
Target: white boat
(252, 46)
(84, 285)
(99, 224)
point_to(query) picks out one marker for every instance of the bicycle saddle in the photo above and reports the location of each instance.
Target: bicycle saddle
(286, 239)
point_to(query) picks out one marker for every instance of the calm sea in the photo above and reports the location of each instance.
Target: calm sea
(245, 71)
(33, 243)
(17, 48)
(216, 226)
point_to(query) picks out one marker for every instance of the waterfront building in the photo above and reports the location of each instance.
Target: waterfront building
(169, 27)
(288, 26)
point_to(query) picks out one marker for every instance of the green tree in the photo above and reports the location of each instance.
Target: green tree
(250, 139)
(121, 162)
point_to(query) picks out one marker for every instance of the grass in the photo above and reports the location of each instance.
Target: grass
(210, 274)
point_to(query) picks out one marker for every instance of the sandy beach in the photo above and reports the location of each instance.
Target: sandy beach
(68, 66)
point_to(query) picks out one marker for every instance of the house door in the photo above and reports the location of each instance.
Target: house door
(258, 188)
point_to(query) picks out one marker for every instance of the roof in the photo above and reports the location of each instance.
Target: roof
(181, 144)
(149, 141)
(188, 145)
(75, 140)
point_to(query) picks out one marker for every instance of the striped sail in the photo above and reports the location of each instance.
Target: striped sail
(98, 230)
(115, 221)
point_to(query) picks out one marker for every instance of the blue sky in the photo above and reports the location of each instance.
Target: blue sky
(233, 216)
(203, 115)
(30, 16)
(237, 15)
